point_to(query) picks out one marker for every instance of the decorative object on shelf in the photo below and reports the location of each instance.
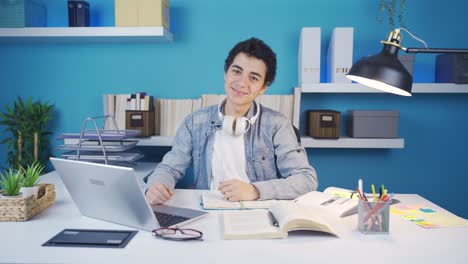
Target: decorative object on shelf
(11, 182)
(324, 124)
(78, 14)
(22, 209)
(30, 178)
(142, 13)
(394, 11)
(28, 124)
(373, 123)
(385, 72)
(141, 120)
(22, 13)
(451, 68)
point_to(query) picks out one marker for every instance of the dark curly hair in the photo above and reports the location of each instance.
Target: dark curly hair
(254, 47)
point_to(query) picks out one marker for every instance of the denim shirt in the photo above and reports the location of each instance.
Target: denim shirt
(276, 163)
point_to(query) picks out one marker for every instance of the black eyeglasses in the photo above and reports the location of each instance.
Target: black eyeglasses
(178, 234)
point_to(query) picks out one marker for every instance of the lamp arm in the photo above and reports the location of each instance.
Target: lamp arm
(435, 50)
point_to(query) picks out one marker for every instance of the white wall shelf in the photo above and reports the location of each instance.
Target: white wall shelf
(85, 34)
(359, 88)
(309, 142)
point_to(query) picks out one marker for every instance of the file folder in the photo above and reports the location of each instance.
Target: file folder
(309, 55)
(340, 55)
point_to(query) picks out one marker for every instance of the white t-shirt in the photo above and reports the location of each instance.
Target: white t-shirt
(228, 161)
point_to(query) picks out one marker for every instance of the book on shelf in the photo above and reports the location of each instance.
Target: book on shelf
(212, 99)
(276, 222)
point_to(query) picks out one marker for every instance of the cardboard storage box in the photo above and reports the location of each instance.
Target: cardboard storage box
(323, 124)
(140, 120)
(142, 13)
(22, 13)
(373, 124)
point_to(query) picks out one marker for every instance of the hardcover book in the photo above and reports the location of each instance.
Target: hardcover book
(276, 222)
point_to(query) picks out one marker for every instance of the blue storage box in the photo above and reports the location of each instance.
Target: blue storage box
(22, 13)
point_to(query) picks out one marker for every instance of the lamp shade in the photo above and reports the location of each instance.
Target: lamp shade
(383, 71)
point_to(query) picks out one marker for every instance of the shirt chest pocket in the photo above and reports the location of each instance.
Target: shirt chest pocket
(264, 165)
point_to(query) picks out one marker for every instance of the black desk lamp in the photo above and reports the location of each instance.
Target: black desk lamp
(385, 72)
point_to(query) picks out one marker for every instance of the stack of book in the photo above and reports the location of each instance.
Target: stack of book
(78, 14)
(22, 13)
(117, 104)
(170, 113)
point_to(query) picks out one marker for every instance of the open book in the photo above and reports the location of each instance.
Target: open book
(334, 200)
(215, 200)
(275, 222)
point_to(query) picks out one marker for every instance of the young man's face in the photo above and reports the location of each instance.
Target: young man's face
(244, 80)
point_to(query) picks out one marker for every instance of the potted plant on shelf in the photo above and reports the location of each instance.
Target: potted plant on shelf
(27, 124)
(30, 178)
(11, 182)
(394, 11)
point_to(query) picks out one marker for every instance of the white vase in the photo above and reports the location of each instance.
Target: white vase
(27, 191)
(18, 196)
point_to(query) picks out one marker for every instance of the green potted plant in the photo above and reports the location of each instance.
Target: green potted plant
(26, 122)
(30, 178)
(11, 182)
(394, 12)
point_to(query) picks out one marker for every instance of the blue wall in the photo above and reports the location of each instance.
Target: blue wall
(432, 164)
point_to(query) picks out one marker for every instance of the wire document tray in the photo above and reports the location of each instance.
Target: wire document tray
(96, 144)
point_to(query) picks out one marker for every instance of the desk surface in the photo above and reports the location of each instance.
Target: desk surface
(21, 242)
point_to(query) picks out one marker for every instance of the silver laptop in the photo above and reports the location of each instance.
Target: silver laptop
(114, 194)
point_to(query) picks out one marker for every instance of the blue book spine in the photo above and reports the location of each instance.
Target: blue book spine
(71, 13)
(82, 14)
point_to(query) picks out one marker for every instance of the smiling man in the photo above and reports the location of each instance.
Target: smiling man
(239, 147)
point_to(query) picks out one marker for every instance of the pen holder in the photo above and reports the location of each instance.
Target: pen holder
(374, 217)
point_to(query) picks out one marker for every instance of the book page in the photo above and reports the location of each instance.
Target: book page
(249, 224)
(334, 205)
(215, 200)
(295, 217)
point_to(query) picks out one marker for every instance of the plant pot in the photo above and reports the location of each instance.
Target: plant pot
(18, 196)
(27, 191)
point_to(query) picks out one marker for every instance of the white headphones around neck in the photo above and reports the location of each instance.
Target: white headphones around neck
(237, 126)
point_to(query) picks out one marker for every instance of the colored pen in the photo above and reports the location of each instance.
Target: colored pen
(373, 193)
(376, 207)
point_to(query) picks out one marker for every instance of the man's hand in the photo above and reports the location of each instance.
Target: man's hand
(158, 193)
(237, 190)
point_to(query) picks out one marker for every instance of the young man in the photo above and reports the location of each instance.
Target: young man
(244, 150)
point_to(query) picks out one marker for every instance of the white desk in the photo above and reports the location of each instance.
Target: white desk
(20, 242)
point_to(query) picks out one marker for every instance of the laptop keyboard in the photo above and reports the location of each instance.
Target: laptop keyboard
(167, 220)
